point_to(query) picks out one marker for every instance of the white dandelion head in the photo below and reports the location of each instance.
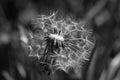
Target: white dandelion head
(64, 41)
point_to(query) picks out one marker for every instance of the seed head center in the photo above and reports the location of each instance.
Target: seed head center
(56, 36)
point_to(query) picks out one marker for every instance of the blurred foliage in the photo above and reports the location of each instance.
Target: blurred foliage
(103, 16)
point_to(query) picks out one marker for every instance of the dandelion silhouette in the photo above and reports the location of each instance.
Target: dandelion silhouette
(62, 44)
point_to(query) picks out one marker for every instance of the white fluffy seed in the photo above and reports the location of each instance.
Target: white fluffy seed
(56, 36)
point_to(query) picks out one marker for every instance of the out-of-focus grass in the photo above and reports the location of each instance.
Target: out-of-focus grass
(103, 15)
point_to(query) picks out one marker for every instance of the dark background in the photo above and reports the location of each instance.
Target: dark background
(102, 15)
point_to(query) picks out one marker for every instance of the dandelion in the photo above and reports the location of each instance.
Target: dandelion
(58, 50)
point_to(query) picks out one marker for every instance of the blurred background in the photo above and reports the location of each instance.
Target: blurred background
(103, 16)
